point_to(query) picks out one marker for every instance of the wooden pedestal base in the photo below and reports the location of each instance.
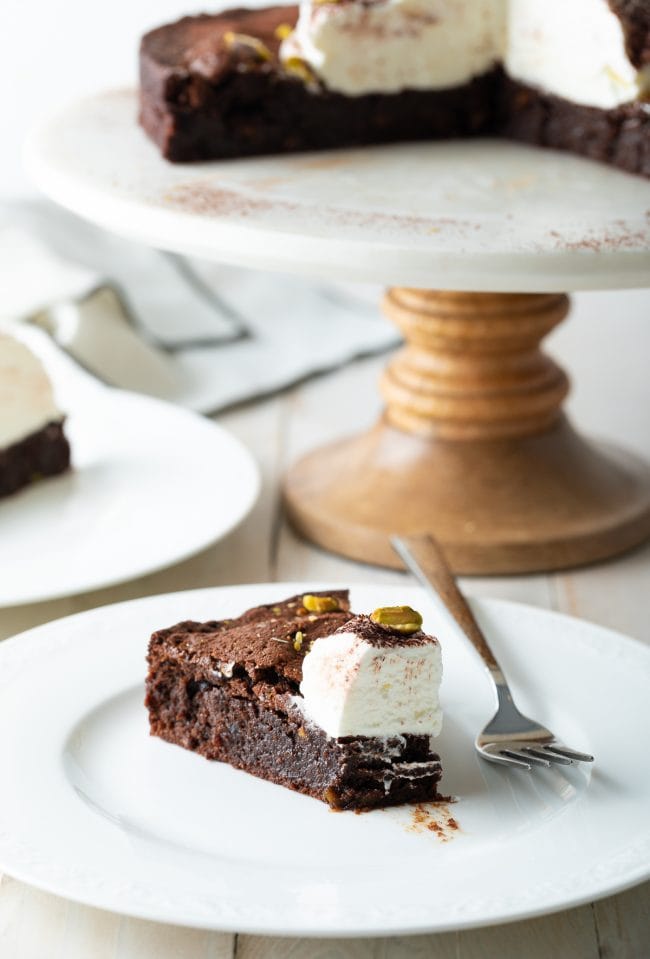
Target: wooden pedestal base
(474, 448)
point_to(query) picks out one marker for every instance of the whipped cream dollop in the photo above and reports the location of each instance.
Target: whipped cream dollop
(26, 397)
(366, 46)
(366, 680)
(574, 49)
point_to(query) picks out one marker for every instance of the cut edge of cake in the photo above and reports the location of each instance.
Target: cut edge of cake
(215, 87)
(33, 444)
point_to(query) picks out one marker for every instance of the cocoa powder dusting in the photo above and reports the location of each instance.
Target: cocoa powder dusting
(620, 236)
(205, 199)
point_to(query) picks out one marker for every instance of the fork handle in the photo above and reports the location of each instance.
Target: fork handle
(426, 560)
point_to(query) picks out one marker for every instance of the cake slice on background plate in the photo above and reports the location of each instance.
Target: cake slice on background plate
(33, 444)
(334, 73)
(305, 694)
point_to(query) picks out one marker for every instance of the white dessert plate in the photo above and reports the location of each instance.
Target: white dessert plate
(481, 215)
(94, 809)
(151, 484)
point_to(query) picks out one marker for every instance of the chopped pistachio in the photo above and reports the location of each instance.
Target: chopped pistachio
(232, 39)
(403, 619)
(299, 68)
(319, 604)
(277, 610)
(298, 640)
(283, 30)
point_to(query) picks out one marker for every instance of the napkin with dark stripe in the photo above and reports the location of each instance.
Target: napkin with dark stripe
(206, 336)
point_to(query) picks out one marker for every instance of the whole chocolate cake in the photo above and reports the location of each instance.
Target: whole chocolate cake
(307, 695)
(333, 73)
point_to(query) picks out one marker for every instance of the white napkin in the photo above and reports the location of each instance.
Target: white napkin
(202, 335)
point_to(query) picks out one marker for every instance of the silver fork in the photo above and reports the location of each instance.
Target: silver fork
(510, 738)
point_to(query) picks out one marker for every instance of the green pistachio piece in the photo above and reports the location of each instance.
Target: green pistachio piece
(403, 619)
(283, 30)
(299, 68)
(253, 44)
(319, 604)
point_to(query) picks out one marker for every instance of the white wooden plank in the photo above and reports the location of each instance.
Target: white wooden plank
(32, 923)
(16, 619)
(36, 925)
(623, 924)
(89, 932)
(416, 947)
(321, 411)
(149, 940)
(567, 935)
(11, 894)
(605, 345)
(532, 590)
(614, 594)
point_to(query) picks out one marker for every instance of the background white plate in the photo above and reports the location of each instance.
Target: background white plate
(94, 809)
(473, 215)
(151, 484)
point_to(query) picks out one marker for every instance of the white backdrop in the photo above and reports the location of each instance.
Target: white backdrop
(55, 50)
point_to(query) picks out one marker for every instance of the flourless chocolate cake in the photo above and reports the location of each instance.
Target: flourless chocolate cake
(32, 441)
(44, 453)
(336, 73)
(306, 695)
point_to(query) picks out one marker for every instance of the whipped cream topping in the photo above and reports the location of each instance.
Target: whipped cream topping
(355, 687)
(26, 397)
(574, 49)
(391, 45)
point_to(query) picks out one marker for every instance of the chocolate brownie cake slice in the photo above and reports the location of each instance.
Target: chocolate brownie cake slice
(214, 87)
(306, 695)
(336, 73)
(32, 441)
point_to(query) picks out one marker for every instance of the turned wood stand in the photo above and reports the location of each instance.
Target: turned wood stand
(473, 447)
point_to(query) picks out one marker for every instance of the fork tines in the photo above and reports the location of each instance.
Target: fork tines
(537, 754)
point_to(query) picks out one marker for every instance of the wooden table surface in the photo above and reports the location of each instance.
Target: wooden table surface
(606, 347)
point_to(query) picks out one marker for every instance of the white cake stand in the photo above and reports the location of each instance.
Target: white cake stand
(473, 445)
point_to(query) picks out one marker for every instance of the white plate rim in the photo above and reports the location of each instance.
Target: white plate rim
(23, 647)
(205, 538)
